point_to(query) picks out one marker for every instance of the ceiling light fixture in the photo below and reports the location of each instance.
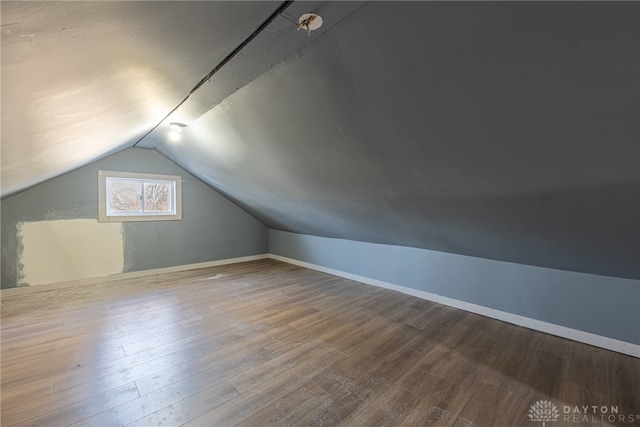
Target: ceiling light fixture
(310, 22)
(177, 127)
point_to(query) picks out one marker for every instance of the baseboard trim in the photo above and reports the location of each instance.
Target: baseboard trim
(538, 325)
(124, 276)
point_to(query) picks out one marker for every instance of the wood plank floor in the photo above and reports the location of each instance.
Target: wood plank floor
(266, 343)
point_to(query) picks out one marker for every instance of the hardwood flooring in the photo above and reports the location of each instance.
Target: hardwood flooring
(270, 344)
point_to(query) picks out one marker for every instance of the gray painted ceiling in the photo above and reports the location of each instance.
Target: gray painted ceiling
(503, 130)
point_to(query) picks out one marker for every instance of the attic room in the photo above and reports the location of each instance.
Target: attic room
(320, 213)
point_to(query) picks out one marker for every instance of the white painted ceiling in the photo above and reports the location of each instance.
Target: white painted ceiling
(82, 79)
(504, 130)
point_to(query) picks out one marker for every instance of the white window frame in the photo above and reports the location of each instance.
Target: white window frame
(103, 203)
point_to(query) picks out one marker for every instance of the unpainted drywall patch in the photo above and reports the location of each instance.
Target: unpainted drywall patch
(59, 251)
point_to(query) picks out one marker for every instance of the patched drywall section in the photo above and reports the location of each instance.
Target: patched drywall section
(60, 251)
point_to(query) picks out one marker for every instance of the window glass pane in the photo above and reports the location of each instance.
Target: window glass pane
(125, 196)
(132, 196)
(157, 197)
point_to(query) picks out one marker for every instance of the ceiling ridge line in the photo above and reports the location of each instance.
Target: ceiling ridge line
(222, 63)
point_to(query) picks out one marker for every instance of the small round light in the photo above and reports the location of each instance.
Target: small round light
(310, 22)
(176, 127)
(175, 136)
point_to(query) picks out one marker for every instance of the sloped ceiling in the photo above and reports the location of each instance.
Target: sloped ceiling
(82, 79)
(503, 130)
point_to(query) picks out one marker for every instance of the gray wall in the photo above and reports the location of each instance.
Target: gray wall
(601, 305)
(499, 130)
(211, 228)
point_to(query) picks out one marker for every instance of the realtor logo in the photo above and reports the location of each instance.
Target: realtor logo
(545, 411)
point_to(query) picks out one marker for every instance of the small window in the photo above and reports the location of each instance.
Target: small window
(125, 196)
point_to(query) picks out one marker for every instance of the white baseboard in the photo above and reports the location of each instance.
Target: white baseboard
(124, 276)
(538, 325)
